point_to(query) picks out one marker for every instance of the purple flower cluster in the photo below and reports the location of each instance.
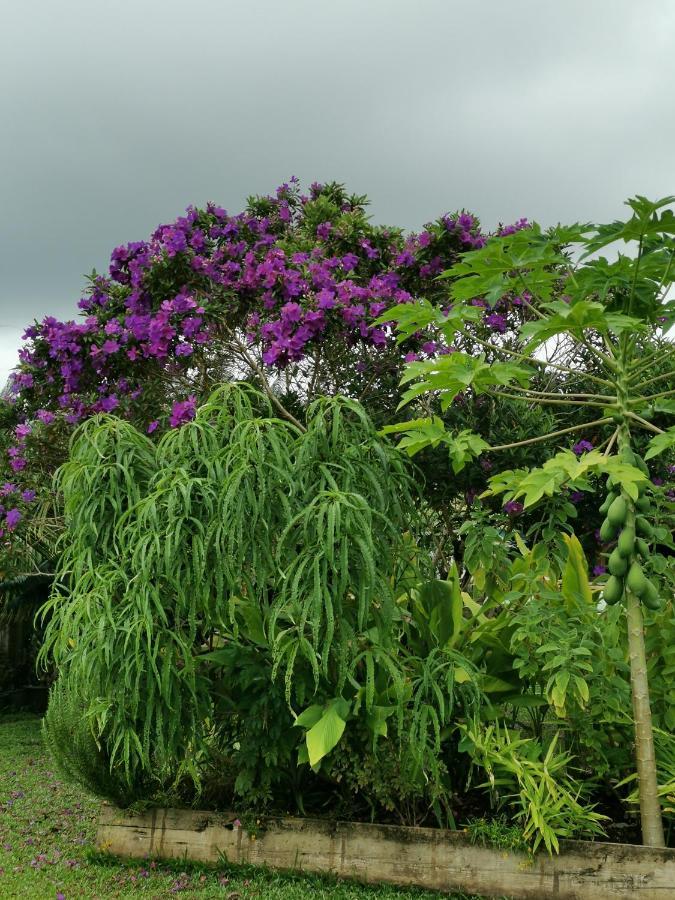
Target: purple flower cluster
(505, 230)
(277, 272)
(221, 267)
(182, 411)
(582, 447)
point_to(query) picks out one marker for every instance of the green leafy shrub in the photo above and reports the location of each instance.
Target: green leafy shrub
(232, 597)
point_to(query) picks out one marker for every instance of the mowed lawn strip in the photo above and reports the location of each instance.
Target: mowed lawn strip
(48, 851)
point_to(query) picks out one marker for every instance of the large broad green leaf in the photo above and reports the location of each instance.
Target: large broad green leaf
(310, 716)
(457, 372)
(575, 586)
(442, 606)
(526, 260)
(576, 318)
(661, 443)
(418, 434)
(563, 469)
(463, 447)
(490, 684)
(409, 318)
(324, 735)
(645, 222)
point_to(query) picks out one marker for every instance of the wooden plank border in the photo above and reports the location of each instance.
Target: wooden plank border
(423, 857)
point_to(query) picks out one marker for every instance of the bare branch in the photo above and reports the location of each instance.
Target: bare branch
(551, 434)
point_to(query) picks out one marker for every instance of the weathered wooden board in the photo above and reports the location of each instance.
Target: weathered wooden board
(426, 857)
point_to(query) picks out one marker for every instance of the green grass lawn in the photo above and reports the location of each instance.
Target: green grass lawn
(47, 845)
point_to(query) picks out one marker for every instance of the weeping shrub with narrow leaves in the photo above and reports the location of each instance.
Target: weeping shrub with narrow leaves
(228, 607)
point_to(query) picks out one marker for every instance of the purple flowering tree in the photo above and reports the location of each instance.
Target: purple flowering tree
(287, 294)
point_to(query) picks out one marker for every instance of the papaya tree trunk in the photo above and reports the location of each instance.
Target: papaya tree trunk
(650, 806)
(651, 821)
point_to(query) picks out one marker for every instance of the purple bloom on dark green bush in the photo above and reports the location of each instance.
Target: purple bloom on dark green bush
(108, 404)
(582, 447)
(496, 322)
(12, 518)
(183, 411)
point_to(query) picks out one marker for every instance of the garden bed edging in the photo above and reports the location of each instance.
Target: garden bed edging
(423, 857)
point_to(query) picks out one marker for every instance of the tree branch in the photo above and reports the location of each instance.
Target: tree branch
(646, 361)
(552, 434)
(250, 361)
(654, 380)
(558, 395)
(645, 423)
(543, 364)
(547, 401)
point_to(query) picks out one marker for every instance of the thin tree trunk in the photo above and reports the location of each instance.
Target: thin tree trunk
(650, 807)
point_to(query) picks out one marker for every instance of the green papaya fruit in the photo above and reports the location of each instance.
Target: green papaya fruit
(643, 528)
(609, 499)
(613, 590)
(626, 543)
(643, 504)
(617, 512)
(642, 548)
(636, 580)
(651, 598)
(618, 564)
(607, 532)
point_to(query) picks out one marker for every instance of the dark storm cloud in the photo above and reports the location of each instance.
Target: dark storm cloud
(116, 116)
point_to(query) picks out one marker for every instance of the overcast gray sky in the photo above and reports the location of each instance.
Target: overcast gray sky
(116, 116)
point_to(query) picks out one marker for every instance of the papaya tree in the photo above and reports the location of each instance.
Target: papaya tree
(593, 346)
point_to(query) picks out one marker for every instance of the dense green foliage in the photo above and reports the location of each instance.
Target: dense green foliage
(243, 572)
(618, 313)
(273, 607)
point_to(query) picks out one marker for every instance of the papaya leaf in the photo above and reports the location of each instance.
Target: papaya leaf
(463, 447)
(418, 434)
(563, 469)
(576, 318)
(457, 372)
(660, 443)
(410, 318)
